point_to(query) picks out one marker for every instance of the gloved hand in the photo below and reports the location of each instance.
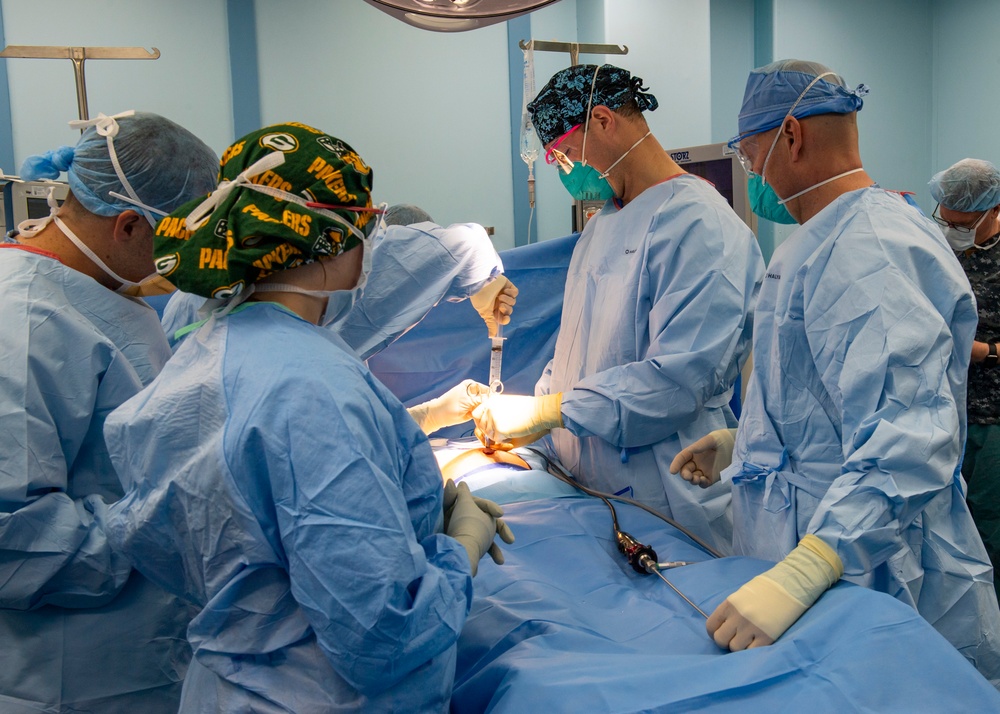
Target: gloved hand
(703, 462)
(453, 407)
(495, 301)
(503, 417)
(474, 522)
(510, 443)
(759, 612)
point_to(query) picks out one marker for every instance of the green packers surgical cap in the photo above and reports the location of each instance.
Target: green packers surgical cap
(563, 102)
(255, 223)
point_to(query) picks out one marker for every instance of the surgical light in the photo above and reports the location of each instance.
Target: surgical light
(456, 15)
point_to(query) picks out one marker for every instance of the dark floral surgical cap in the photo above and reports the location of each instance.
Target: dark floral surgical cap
(562, 103)
(249, 234)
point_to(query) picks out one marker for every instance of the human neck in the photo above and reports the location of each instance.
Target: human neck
(647, 165)
(53, 240)
(809, 204)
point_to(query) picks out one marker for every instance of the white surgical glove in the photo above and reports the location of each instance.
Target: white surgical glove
(474, 522)
(453, 407)
(703, 462)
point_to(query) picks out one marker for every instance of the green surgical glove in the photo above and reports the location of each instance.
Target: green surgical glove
(504, 417)
(703, 462)
(495, 302)
(474, 522)
(453, 407)
(759, 612)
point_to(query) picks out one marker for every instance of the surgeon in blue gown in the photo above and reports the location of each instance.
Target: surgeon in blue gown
(849, 446)
(415, 265)
(273, 482)
(657, 311)
(82, 631)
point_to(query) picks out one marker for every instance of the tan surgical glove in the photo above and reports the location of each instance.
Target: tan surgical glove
(495, 301)
(704, 461)
(759, 612)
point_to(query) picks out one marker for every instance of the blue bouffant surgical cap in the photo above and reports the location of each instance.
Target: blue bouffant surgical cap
(970, 185)
(405, 214)
(165, 164)
(773, 89)
(563, 102)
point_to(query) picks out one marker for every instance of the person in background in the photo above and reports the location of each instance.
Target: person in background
(968, 210)
(847, 455)
(272, 481)
(83, 631)
(415, 265)
(657, 311)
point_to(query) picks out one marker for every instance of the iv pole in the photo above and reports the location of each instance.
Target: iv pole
(78, 55)
(574, 49)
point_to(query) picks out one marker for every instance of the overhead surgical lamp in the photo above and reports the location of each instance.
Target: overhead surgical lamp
(456, 15)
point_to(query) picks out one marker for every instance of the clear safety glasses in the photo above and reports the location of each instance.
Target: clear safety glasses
(948, 224)
(740, 147)
(554, 156)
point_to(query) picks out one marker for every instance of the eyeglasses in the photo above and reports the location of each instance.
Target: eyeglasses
(740, 148)
(948, 224)
(554, 156)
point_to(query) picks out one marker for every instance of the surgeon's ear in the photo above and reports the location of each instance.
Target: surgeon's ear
(601, 118)
(791, 132)
(129, 226)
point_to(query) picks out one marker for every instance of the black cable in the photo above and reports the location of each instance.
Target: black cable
(561, 474)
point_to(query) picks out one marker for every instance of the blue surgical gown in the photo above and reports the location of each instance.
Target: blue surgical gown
(413, 269)
(655, 327)
(80, 630)
(273, 482)
(854, 421)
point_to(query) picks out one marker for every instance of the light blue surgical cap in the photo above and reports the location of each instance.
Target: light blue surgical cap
(405, 214)
(772, 90)
(166, 165)
(970, 185)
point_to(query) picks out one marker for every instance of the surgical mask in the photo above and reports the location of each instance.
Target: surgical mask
(33, 226)
(959, 240)
(765, 202)
(585, 183)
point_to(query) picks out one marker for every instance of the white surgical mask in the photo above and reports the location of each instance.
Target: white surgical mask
(959, 240)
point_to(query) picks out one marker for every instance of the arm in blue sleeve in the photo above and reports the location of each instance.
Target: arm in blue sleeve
(702, 286)
(884, 352)
(413, 269)
(381, 599)
(58, 385)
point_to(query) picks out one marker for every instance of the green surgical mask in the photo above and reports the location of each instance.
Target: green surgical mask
(765, 202)
(585, 183)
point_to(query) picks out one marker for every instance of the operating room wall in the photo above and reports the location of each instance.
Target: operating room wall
(885, 45)
(966, 71)
(189, 83)
(430, 111)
